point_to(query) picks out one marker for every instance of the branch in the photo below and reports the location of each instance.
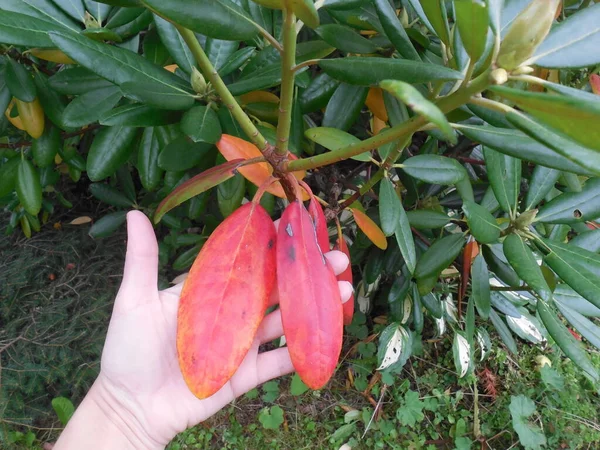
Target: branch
(228, 100)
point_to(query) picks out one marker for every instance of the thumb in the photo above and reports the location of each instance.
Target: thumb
(140, 277)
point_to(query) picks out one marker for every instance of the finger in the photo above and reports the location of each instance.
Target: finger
(141, 260)
(273, 364)
(338, 260)
(270, 328)
(346, 290)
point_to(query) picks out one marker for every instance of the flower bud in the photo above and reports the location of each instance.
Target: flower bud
(198, 82)
(499, 76)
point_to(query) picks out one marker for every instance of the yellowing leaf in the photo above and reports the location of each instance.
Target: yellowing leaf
(370, 228)
(80, 220)
(259, 97)
(171, 67)
(51, 54)
(375, 103)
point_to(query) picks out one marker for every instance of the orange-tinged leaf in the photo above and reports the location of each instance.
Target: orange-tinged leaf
(171, 68)
(259, 97)
(224, 299)
(375, 103)
(595, 83)
(232, 147)
(370, 228)
(377, 125)
(320, 222)
(51, 54)
(469, 253)
(196, 185)
(346, 275)
(309, 299)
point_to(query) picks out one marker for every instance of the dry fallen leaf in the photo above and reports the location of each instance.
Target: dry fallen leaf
(80, 220)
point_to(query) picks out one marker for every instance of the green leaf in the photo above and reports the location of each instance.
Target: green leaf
(186, 258)
(389, 207)
(530, 436)
(565, 340)
(221, 19)
(121, 66)
(582, 324)
(175, 44)
(333, 139)
(344, 106)
(410, 96)
(19, 81)
(480, 286)
(461, 350)
(411, 411)
(149, 171)
(551, 378)
(503, 332)
(589, 240)
(472, 19)
(110, 195)
(575, 117)
(219, 50)
(517, 144)
(102, 34)
(527, 327)
(423, 219)
(573, 207)
(572, 43)
(91, 106)
(521, 259)
(482, 224)
(182, 154)
(123, 16)
(271, 418)
(201, 124)
(405, 241)
(110, 149)
(495, 12)
(196, 185)
(345, 39)
(394, 348)
(236, 60)
(269, 76)
(542, 181)
(64, 409)
(136, 115)
(504, 173)
(28, 187)
(435, 10)
(434, 169)
(297, 386)
(45, 10)
(369, 71)
(76, 81)
(108, 224)
(501, 302)
(306, 12)
(44, 148)
(394, 30)
(24, 30)
(439, 256)
(157, 95)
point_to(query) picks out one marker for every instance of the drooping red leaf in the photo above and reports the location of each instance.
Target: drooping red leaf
(309, 298)
(318, 217)
(224, 299)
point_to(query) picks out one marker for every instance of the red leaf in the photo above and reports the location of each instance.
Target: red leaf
(309, 298)
(318, 217)
(224, 299)
(595, 83)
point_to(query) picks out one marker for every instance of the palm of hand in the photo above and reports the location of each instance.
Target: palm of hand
(140, 369)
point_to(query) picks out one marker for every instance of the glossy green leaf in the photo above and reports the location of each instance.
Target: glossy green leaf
(185, 259)
(480, 286)
(175, 44)
(121, 66)
(201, 124)
(28, 187)
(590, 240)
(501, 302)
(423, 219)
(405, 240)
(504, 173)
(567, 296)
(157, 95)
(369, 71)
(268, 77)
(102, 34)
(333, 139)
(573, 207)
(542, 181)
(110, 195)
(219, 50)
(110, 149)
(221, 19)
(318, 93)
(435, 10)
(183, 154)
(497, 263)
(439, 256)
(517, 144)
(108, 224)
(590, 261)
(123, 16)
(24, 30)
(582, 324)
(77, 80)
(236, 60)
(344, 106)
(230, 194)
(306, 12)
(565, 340)
(482, 224)
(345, 39)
(521, 259)
(89, 107)
(53, 103)
(46, 147)
(389, 207)
(147, 164)
(196, 185)
(434, 169)
(572, 43)
(410, 96)
(472, 19)
(19, 81)
(504, 332)
(394, 30)
(136, 115)
(575, 118)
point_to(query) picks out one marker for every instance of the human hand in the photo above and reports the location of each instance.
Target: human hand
(140, 377)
